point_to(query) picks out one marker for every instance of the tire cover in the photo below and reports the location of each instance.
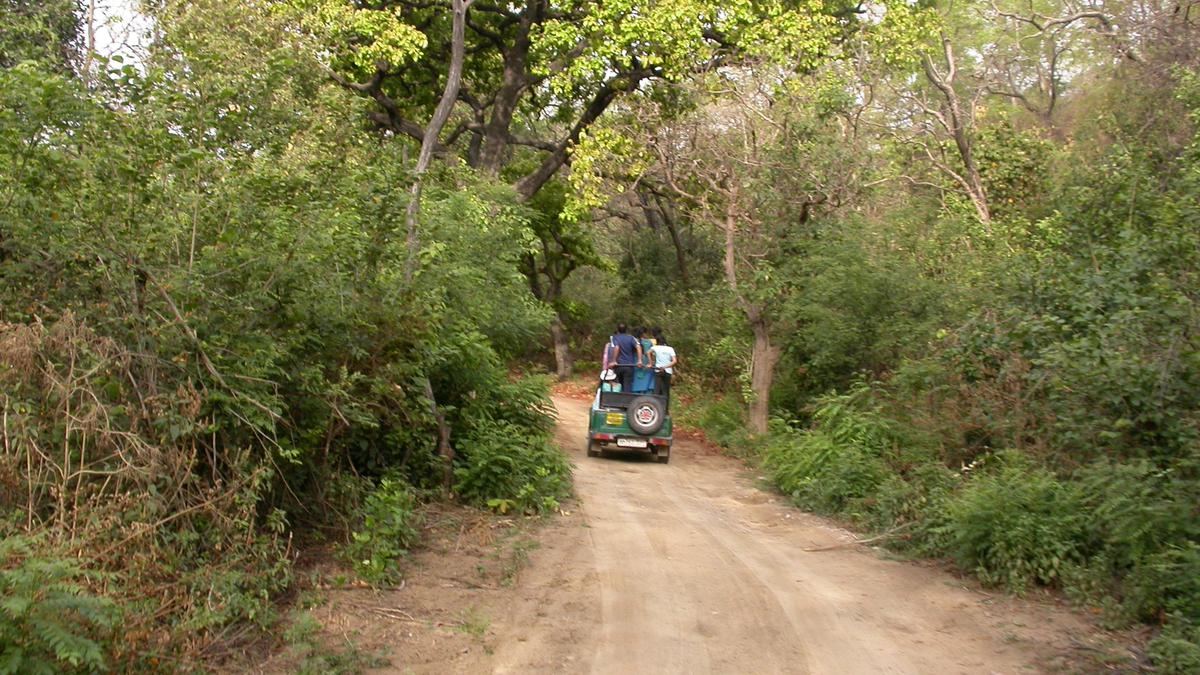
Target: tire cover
(645, 415)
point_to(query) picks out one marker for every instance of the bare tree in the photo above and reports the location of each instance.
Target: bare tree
(956, 117)
(1032, 60)
(754, 168)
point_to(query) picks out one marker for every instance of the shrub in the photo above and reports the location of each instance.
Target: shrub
(1176, 650)
(1142, 538)
(524, 402)
(1016, 526)
(837, 464)
(723, 421)
(917, 501)
(49, 623)
(1167, 581)
(1136, 509)
(390, 527)
(511, 468)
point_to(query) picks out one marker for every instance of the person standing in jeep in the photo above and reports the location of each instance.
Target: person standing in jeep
(628, 355)
(663, 359)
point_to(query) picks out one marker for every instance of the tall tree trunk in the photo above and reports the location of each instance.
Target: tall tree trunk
(428, 142)
(658, 213)
(764, 355)
(680, 256)
(458, 42)
(762, 374)
(496, 131)
(563, 363)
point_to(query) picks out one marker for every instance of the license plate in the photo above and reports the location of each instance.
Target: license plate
(631, 443)
(614, 419)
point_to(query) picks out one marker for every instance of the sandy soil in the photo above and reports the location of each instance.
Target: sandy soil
(687, 567)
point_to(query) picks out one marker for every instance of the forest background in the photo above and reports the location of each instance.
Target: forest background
(290, 271)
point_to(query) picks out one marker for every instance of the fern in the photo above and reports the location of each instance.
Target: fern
(48, 621)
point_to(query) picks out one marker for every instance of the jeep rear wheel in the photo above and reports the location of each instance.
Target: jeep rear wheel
(646, 415)
(593, 449)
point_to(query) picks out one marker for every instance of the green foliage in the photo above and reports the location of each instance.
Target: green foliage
(390, 528)
(364, 36)
(674, 37)
(1176, 650)
(49, 621)
(1016, 525)
(1014, 165)
(917, 501)
(507, 467)
(723, 420)
(859, 310)
(522, 404)
(42, 31)
(834, 466)
(1165, 581)
(1140, 531)
(205, 320)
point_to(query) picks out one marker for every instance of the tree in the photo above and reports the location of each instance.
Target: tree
(756, 161)
(40, 30)
(428, 140)
(562, 247)
(1020, 53)
(538, 74)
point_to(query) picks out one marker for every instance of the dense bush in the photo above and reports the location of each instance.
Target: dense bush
(915, 503)
(1016, 525)
(508, 467)
(721, 418)
(861, 310)
(208, 316)
(1177, 649)
(839, 462)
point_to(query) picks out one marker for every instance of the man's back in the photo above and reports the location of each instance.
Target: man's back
(626, 349)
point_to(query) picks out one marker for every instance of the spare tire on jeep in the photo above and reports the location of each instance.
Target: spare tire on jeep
(646, 415)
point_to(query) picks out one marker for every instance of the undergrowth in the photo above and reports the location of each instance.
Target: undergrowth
(129, 542)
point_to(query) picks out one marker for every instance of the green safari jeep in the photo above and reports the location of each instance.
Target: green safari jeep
(636, 422)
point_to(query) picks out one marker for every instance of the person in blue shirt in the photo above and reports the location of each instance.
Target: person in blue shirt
(628, 355)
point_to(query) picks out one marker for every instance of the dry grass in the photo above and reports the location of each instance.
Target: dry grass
(93, 462)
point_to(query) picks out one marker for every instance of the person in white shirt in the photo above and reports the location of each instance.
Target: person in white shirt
(664, 362)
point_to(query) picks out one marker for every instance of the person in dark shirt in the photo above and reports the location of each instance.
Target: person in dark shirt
(628, 355)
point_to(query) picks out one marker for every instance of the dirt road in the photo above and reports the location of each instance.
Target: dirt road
(688, 567)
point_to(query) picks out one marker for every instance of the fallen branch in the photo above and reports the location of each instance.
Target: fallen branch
(392, 612)
(870, 540)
